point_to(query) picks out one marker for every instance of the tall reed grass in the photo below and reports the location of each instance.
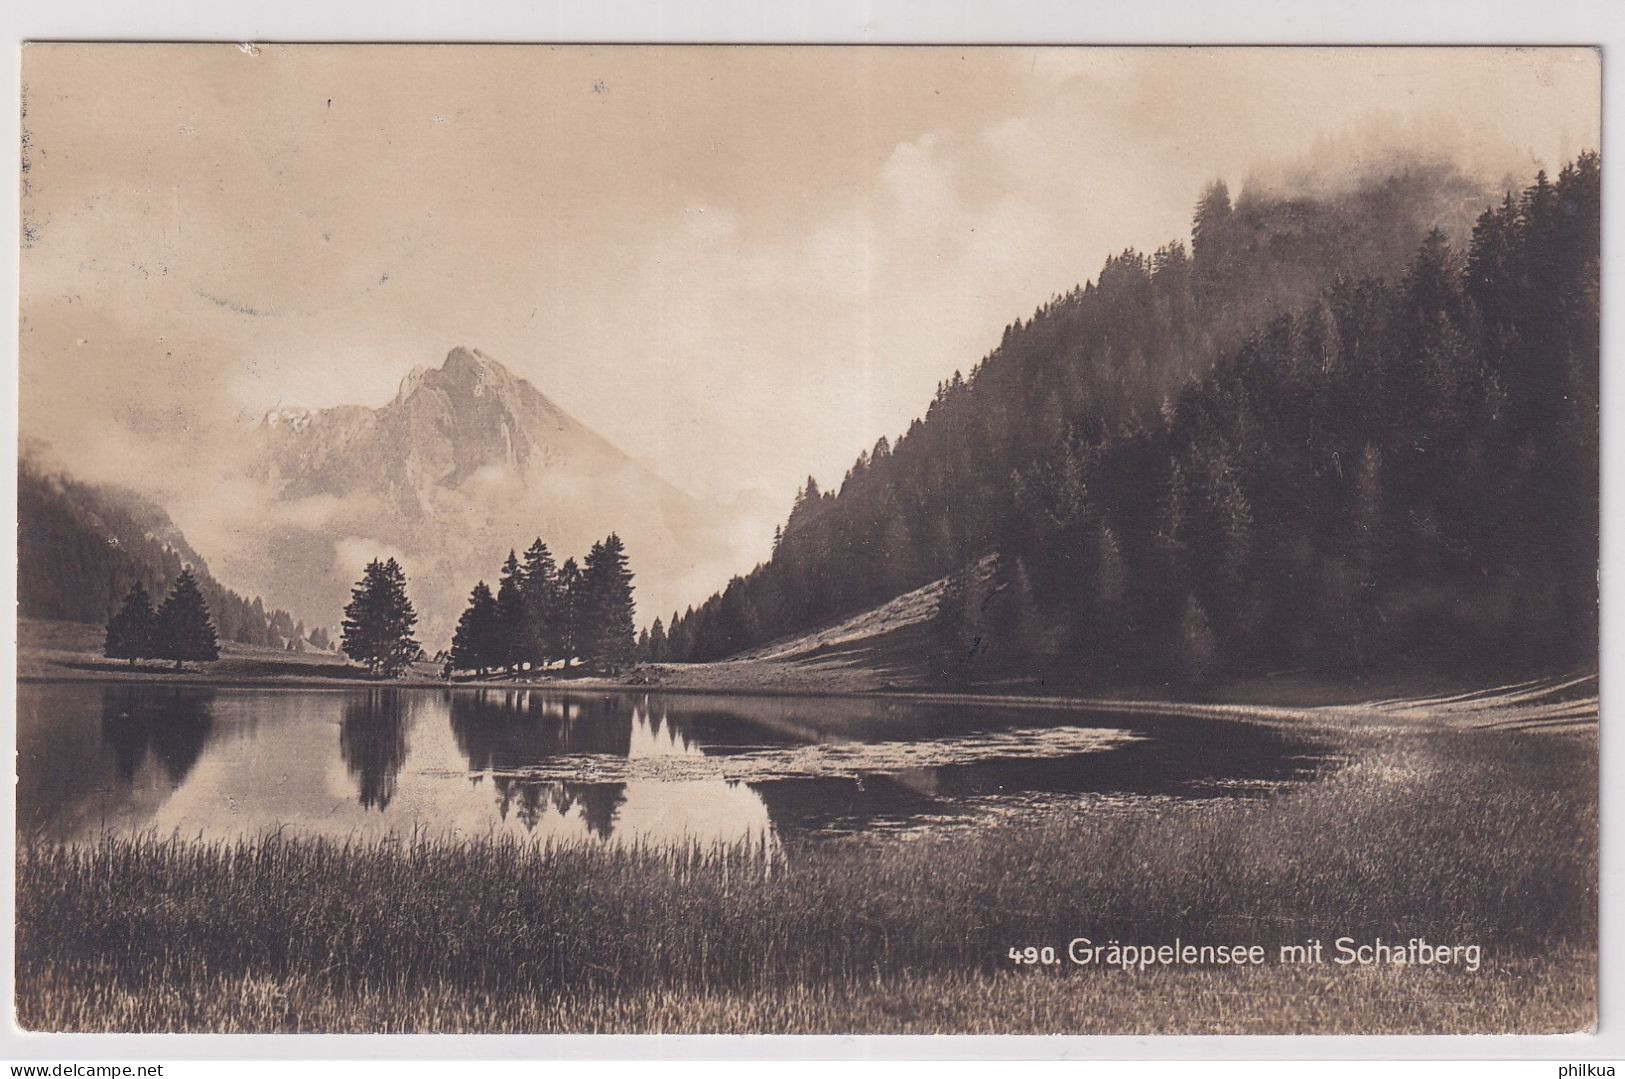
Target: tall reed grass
(1487, 839)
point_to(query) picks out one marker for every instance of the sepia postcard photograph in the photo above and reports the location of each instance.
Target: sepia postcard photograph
(790, 539)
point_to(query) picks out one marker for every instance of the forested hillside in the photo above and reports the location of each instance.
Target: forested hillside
(81, 546)
(1321, 436)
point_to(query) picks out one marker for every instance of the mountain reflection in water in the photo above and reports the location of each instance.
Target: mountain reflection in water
(606, 767)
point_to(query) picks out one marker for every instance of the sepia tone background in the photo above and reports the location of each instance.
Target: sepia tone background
(1273, 557)
(737, 265)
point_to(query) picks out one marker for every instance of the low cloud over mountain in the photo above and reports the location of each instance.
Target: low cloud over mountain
(465, 462)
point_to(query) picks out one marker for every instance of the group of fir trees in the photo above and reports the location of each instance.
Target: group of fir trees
(178, 631)
(1264, 453)
(82, 547)
(378, 621)
(542, 614)
(652, 643)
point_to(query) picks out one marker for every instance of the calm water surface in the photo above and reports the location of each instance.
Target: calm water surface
(611, 767)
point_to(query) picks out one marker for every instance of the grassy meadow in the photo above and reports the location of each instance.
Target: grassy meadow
(1463, 837)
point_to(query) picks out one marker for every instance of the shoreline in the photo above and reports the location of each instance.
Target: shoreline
(1402, 698)
(1537, 704)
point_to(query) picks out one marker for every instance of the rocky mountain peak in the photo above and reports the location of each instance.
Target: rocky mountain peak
(468, 459)
(409, 384)
(464, 362)
(445, 424)
(469, 373)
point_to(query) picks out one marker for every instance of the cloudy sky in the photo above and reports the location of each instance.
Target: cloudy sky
(742, 265)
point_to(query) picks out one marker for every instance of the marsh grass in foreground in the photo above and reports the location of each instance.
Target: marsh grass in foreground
(1549, 994)
(1481, 838)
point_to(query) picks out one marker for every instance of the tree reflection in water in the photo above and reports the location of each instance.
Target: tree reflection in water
(372, 740)
(622, 768)
(504, 732)
(172, 724)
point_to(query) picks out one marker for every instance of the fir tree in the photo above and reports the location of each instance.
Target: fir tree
(960, 625)
(1197, 649)
(1104, 621)
(610, 629)
(1212, 212)
(539, 587)
(379, 619)
(1019, 631)
(130, 631)
(511, 650)
(477, 644)
(182, 629)
(572, 600)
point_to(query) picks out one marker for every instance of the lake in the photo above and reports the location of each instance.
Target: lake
(615, 767)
